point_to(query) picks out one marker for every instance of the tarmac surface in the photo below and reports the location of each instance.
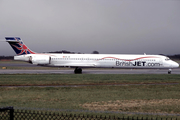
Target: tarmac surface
(85, 71)
(91, 71)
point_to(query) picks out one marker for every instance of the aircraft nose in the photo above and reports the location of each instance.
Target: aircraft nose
(175, 65)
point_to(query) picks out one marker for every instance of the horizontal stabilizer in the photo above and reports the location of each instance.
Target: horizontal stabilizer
(13, 39)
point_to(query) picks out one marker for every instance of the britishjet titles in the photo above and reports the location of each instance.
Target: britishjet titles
(136, 63)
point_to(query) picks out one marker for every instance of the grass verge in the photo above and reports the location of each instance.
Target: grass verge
(73, 79)
(139, 93)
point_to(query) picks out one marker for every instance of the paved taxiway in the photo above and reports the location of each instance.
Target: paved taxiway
(85, 71)
(91, 71)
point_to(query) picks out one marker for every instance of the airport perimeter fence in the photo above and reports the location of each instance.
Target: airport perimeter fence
(8, 113)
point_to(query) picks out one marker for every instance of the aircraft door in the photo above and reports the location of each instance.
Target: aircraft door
(161, 62)
(49, 60)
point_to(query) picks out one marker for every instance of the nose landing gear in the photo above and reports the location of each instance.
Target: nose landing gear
(169, 71)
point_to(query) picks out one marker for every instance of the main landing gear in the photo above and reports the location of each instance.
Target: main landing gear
(78, 70)
(169, 71)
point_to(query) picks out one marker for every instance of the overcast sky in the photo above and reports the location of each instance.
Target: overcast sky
(107, 26)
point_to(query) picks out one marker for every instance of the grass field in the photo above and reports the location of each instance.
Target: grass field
(124, 93)
(67, 79)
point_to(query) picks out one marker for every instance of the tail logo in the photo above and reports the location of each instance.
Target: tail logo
(23, 49)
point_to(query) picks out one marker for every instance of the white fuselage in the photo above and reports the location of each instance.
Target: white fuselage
(100, 60)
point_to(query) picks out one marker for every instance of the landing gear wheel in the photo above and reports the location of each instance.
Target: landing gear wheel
(30, 59)
(78, 70)
(169, 71)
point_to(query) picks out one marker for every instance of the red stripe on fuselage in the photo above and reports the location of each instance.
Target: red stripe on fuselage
(127, 59)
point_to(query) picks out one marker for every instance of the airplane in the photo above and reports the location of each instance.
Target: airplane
(79, 61)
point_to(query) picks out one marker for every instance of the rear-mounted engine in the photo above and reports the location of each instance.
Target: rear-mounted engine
(40, 60)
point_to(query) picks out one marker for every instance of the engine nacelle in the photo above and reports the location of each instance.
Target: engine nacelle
(40, 60)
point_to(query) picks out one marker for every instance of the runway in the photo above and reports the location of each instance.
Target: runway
(34, 70)
(91, 71)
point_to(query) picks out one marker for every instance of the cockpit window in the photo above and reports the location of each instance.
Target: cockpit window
(167, 59)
